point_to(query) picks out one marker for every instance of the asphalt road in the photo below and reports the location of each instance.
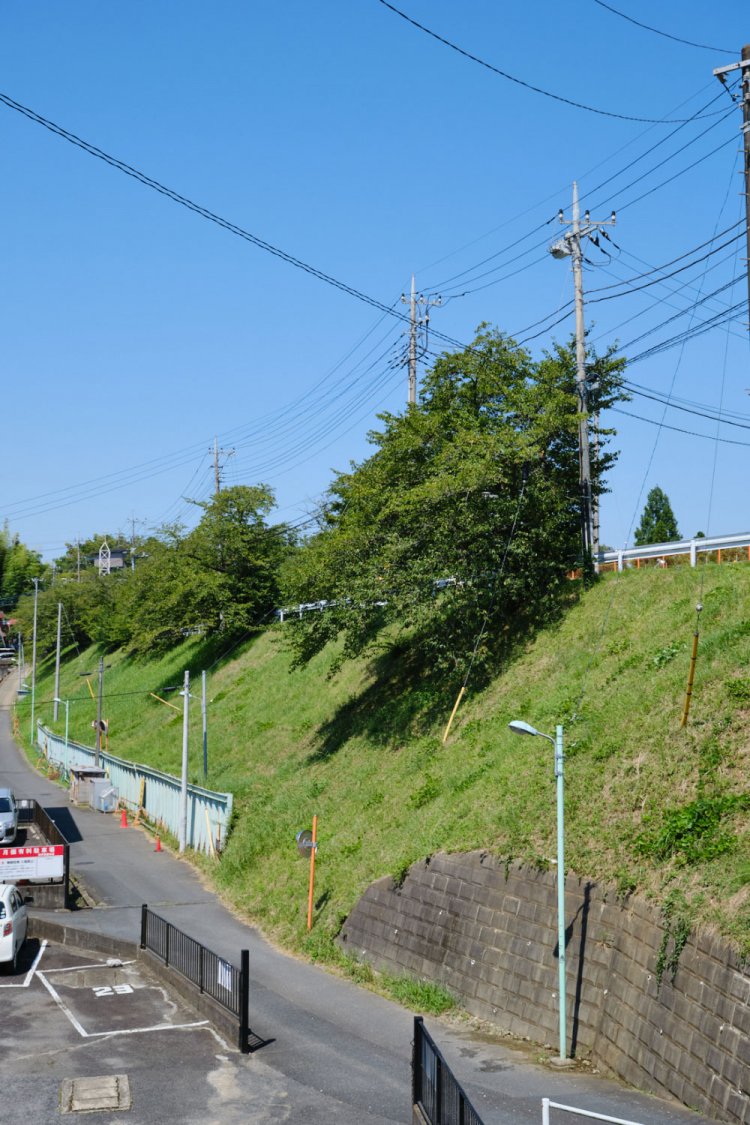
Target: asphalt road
(337, 1053)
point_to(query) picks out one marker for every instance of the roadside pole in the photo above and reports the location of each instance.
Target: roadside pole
(183, 787)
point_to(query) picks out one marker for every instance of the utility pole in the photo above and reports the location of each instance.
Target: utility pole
(204, 716)
(33, 659)
(721, 73)
(78, 561)
(570, 246)
(217, 452)
(133, 522)
(183, 786)
(416, 321)
(57, 660)
(99, 700)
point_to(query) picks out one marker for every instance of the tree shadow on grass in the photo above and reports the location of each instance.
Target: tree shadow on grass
(406, 698)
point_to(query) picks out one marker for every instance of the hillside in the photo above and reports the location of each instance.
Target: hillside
(649, 807)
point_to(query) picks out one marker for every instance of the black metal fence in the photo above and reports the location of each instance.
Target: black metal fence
(31, 812)
(434, 1088)
(217, 978)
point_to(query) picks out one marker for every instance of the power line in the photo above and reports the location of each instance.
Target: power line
(445, 283)
(677, 429)
(205, 213)
(664, 34)
(528, 85)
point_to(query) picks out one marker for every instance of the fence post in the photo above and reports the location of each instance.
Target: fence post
(438, 1090)
(416, 1062)
(144, 918)
(200, 967)
(244, 1001)
(166, 944)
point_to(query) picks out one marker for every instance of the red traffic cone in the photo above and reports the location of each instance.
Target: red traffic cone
(123, 819)
(158, 844)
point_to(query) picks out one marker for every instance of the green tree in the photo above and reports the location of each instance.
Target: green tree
(658, 523)
(21, 566)
(464, 521)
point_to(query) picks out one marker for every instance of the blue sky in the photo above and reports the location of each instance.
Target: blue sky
(134, 331)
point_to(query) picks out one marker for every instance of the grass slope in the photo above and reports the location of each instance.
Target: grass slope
(648, 806)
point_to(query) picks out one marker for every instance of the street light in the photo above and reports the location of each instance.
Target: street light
(519, 727)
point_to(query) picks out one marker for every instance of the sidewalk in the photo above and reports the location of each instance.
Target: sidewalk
(330, 1036)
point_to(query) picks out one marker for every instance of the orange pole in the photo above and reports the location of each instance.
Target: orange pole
(312, 872)
(718, 555)
(637, 564)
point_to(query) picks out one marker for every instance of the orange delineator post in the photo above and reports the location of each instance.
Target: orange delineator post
(312, 873)
(123, 819)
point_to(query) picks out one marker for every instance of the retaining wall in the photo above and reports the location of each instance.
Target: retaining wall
(488, 932)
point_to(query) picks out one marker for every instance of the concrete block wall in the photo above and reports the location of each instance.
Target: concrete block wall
(487, 930)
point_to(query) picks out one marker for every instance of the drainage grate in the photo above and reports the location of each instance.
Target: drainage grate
(90, 1095)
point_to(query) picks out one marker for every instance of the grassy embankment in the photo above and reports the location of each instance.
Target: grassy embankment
(649, 807)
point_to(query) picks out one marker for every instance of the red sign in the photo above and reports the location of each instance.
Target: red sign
(36, 861)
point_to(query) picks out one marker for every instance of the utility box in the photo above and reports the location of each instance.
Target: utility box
(104, 795)
(82, 780)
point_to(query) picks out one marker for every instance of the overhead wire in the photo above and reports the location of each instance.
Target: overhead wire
(664, 34)
(520, 81)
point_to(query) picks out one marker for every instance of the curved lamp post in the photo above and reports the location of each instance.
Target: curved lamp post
(519, 727)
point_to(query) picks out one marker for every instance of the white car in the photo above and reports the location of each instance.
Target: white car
(13, 923)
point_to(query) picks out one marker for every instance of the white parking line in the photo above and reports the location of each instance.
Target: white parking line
(119, 1031)
(27, 979)
(93, 965)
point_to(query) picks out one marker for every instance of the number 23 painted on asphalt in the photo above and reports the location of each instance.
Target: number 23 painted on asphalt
(106, 990)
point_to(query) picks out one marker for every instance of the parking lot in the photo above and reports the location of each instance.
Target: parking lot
(83, 1033)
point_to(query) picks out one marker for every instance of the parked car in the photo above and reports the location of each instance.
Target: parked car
(13, 923)
(8, 817)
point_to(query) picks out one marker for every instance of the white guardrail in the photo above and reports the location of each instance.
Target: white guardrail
(691, 547)
(622, 558)
(157, 793)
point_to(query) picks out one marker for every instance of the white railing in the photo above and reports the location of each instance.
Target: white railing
(157, 793)
(546, 1104)
(691, 547)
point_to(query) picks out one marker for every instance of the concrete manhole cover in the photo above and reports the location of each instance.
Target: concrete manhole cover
(91, 1095)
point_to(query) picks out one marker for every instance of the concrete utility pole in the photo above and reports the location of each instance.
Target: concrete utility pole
(416, 321)
(57, 660)
(99, 700)
(184, 782)
(721, 73)
(33, 659)
(570, 246)
(204, 716)
(217, 468)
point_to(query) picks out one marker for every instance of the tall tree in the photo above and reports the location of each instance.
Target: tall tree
(658, 523)
(465, 516)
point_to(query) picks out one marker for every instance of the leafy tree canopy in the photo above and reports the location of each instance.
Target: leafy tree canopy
(464, 520)
(658, 523)
(221, 577)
